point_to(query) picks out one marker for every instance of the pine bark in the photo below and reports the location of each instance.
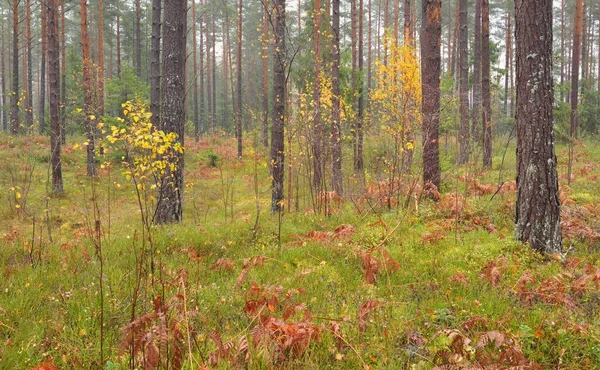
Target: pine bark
(195, 74)
(63, 75)
(336, 142)
(14, 98)
(101, 72)
(29, 92)
(51, 7)
(200, 72)
(238, 116)
(209, 81)
(537, 208)
(358, 160)
(155, 64)
(279, 104)
(575, 62)
(463, 88)
(485, 84)
(317, 131)
(4, 112)
(87, 89)
(173, 99)
(430, 85)
(265, 74)
(43, 53)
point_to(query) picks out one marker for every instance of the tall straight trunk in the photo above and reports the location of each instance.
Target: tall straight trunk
(370, 49)
(173, 99)
(279, 105)
(485, 83)
(155, 64)
(118, 26)
(378, 29)
(317, 126)
(463, 88)
(63, 75)
(224, 65)
(336, 139)
(386, 22)
(87, 89)
(44, 37)
(583, 41)
(396, 35)
(101, 71)
(454, 48)
(195, 73)
(51, 7)
(597, 60)
(138, 38)
(537, 208)
(209, 79)
(200, 71)
(579, 10)
(3, 78)
(265, 74)
(353, 82)
(14, 98)
(407, 32)
(562, 46)
(214, 70)
(358, 160)
(430, 86)
(238, 116)
(507, 65)
(29, 98)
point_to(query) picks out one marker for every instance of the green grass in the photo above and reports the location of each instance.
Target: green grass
(50, 304)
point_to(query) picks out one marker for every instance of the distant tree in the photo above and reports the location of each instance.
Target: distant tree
(51, 9)
(358, 159)
(476, 120)
(485, 84)
(29, 68)
(100, 92)
(138, 38)
(87, 90)
(195, 72)
(173, 104)
(239, 113)
(43, 52)
(155, 64)
(317, 131)
(14, 98)
(336, 135)
(537, 208)
(463, 84)
(575, 63)
(430, 86)
(265, 38)
(279, 105)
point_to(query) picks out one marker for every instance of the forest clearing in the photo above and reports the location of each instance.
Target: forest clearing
(262, 184)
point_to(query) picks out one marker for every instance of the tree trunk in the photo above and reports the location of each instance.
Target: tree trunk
(51, 7)
(507, 65)
(537, 209)
(214, 70)
(14, 98)
(87, 90)
(200, 71)
(358, 160)
(155, 64)
(265, 37)
(485, 83)
(209, 80)
(138, 38)
(407, 33)
(44, 37)
(238, 116)
(336, 139)
(224, 62)
(100, 108)
(3, 67)
(463, 88)
(118, 26)
(173, 99)
(195, 73)
(29, 97)
(579, 10)
(430, 84)
(63, 77)
(279, 105)
(317, 126)
(369, 50)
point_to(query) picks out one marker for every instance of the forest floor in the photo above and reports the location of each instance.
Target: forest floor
(385, 281)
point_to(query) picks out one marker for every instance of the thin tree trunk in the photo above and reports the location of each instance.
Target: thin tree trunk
(195, 74)
(14, 113)
(173, 100)
(201, 73)
(430, 81)
(138, 38)
(507, 65)
(101, 71)
(44, 37)
(118, 43)
(358, 160)
(265, 37)
(238, 117)
(463, 60)
(317, 126)
(3, 67)
(51, 7)
(370, 50)
(336, 142)
(155, 64)
(279, 105)
(214, 70)
(224, 64)
(537, 208)
(209, 80)
(407, 33)
(579, 10)
(485, 81)
(562, 48)
(87, 89)
(63, 77)
(29, 99)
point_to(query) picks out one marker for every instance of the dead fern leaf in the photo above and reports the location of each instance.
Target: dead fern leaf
(222, 264)
(364, 312)
(371, 266)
